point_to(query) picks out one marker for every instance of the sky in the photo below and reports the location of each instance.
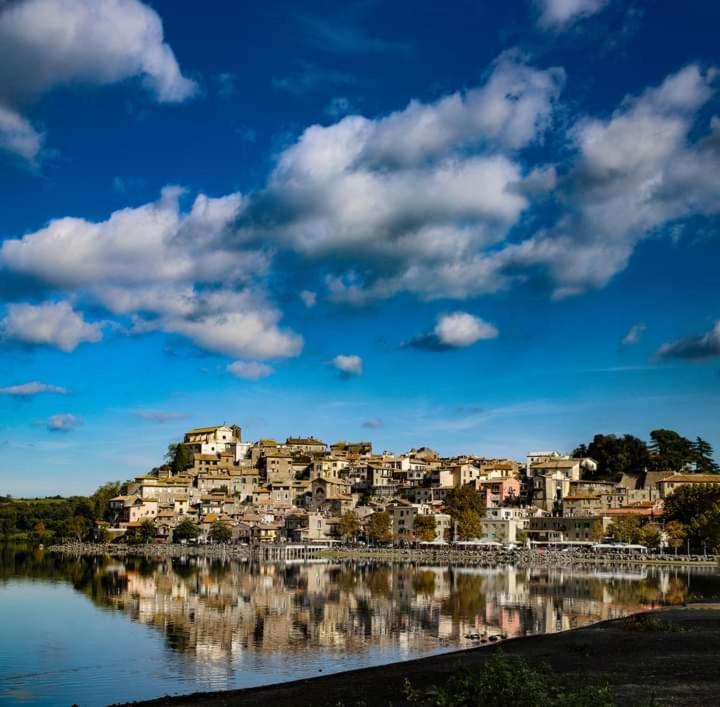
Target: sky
(483, 227)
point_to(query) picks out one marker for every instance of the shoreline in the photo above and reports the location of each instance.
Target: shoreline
(667, 655)
(481, 558)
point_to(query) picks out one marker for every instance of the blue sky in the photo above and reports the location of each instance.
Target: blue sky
(478, 228)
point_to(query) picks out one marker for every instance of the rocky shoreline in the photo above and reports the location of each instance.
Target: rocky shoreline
(447, 556)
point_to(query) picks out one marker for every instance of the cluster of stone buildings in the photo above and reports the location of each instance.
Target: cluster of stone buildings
(298, 490)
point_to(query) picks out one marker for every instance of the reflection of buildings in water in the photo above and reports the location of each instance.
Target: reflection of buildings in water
(227, 613)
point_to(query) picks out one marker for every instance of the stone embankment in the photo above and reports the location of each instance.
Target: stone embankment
(491, 557)
(236, 552)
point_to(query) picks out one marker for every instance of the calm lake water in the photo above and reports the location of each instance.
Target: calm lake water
(93, 631)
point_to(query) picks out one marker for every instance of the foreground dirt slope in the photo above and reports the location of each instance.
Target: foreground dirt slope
(676, 662)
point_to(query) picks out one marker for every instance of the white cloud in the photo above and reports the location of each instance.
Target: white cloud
(52, 324)
(348, 365)
(462, 329)
(18, 136)
(32, 388)
(309, 298)
(250, 370)
(560, 14)
(63, 423)
(45, 44)
(633, 335)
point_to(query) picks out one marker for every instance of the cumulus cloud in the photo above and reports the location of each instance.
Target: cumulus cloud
(633, 173)
(159, 416)
(169, 270)
(633, 335)
(45, 44)
(25, 390)
(250, 370)
(693, 347)
(560, 14)
(63, 423)
(455, 330)
(348, 365)
(50, 324)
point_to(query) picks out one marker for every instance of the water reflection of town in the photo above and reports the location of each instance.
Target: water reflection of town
(221, 610)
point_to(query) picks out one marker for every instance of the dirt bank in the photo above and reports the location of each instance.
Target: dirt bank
(671, 657)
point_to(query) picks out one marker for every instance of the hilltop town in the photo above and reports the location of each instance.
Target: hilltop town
(216, 486)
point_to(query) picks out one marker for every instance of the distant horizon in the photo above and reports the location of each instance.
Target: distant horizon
(477, 228)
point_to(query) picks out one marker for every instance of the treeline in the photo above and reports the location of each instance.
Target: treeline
(56, 518)
(666, 451)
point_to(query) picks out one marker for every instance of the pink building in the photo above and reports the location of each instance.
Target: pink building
(497, 490)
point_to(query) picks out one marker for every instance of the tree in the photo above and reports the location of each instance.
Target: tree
(147, 532)
(76, 527)
(40, 533)
(100, 500)
(349, 525)
(675, 533)
(467, 508)
(697, 507)
(649, 535)
(469, 525)
(615, 455)
(220, 533)
(103, 535)
(625, 529)
(669, 450)
(379, 527)
(424, 528)
(462, 499)
(179, 457)
(704, 457)
(185, 530)
(597, 532)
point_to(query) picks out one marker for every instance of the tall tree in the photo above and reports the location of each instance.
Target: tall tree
(469, 525)
(465, 498)
(424, 528)
(380, 527)
(625, 529)
(670, 450)
(179, 457)
(147, 532)
(615, 455)
(675, 534)
(704, 456)
(697, 507)
(349, 525)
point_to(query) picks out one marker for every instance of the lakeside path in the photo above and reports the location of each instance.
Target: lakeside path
(666, 656)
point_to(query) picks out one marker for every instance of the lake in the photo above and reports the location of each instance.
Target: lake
(93, 631)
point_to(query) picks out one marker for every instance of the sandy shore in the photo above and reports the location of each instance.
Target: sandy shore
(677, 663)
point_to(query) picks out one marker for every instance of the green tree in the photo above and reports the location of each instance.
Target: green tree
(597, 532)
(465, 498)
(615, 455)
(220, 533)
(469, 525)
(185, 530)
(675, 533)
(671, 451)
(649, 535)
(625, 529)
(76, 528)
(349, 525)
(424, 528)
(147, 532)
(100, 500)
(103, 535)
(697, 507)
(704, 457)
(40, 533)
(379, 527)
(179, 457)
